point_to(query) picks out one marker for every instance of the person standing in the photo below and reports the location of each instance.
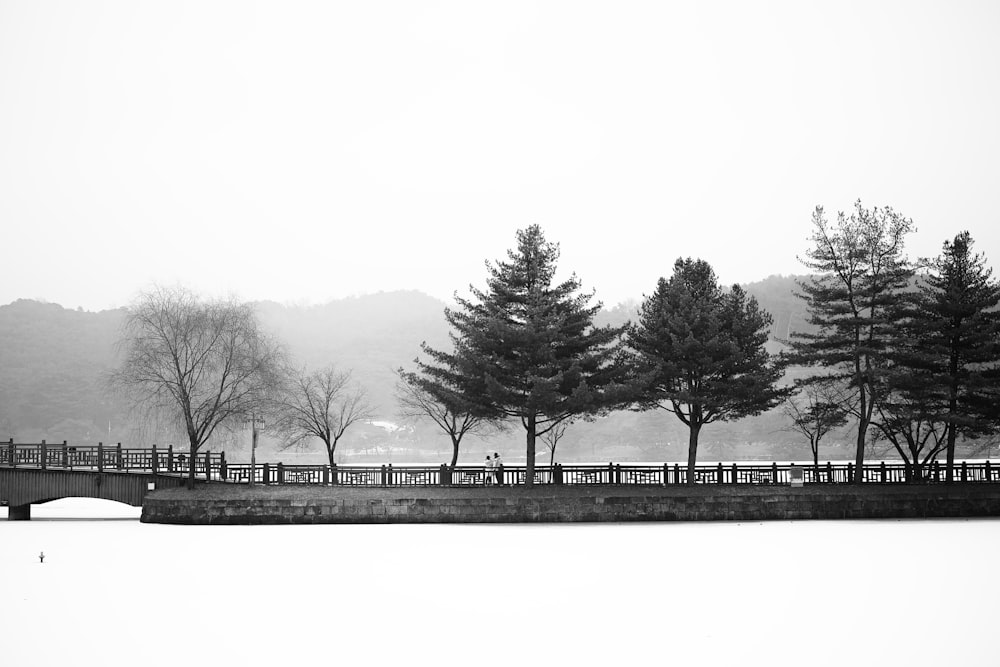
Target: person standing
(497, 468)
(488, 477)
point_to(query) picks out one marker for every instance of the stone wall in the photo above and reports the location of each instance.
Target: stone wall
(276, 505)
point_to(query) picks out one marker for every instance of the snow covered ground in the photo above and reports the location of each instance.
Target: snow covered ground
(113, 591)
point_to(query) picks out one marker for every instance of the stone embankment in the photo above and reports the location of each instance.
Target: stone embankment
(230, 504)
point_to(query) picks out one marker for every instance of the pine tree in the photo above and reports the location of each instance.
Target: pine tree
(698, 352)
(526, 347)
(859, 272)
(951, 366)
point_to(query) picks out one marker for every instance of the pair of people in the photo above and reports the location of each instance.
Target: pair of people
(493, 468)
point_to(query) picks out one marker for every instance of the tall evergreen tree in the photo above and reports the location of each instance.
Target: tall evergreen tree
(859, 271)
(698, 352)
(526, 347)
(950, 365)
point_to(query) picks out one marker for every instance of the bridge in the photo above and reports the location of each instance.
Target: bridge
(31, 474)
(38, 473)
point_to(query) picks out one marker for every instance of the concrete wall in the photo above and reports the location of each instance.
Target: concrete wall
(601, 504)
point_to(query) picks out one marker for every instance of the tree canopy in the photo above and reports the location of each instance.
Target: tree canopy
(697, 351)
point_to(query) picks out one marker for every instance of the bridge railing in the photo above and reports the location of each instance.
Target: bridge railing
(101, 457)
(213, 466)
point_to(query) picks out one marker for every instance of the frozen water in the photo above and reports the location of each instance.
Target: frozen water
(113, 591)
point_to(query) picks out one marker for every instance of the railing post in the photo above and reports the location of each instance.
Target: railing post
(118, 456)
(100, 457)
(65, 455)
(882, 471)
(965, 472)
(718, 473)
(611, 473)
(829, 472)
(989, 474)
(774, 472)
(735, 476)
(281, 472)
(850, 473)
(618, 473)
(44, 454)
(677, 473)
(10, 453)
(154, 463)
(267, 473)
(208, 466)
(382, 475)
(326, 475)
(223, 469)
(937, 471)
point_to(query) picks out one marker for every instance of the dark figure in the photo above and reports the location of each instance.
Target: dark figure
(497, 468)
(41, 557)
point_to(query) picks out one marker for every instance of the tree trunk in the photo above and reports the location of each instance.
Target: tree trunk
(814, 446)
(192, 451)
(331, 449)
(693, 430)
(859, 458)
(529, 473)
(552, 457)
(454, 451)
(949, 475)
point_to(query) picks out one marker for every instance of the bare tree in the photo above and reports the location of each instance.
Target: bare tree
(816, 410)
(417, 399)
(204, 364)
(322, 404)
(552, 437)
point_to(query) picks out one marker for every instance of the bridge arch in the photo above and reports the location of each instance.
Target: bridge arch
(21, 487)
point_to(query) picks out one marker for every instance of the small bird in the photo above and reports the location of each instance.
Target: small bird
(41, 557)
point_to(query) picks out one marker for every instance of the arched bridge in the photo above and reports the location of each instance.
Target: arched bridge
(22, 487)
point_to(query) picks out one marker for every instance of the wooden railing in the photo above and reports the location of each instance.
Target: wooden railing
(613, 473)
(112, 458)
(213, 466)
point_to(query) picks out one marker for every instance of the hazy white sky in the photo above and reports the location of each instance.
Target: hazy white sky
(302, 151)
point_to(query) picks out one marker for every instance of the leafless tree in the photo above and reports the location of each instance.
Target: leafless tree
(320, 404)
(204, 364)
(817, 409)
(551, 439)
(417, 400)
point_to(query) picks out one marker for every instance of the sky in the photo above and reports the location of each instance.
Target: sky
(306, 151)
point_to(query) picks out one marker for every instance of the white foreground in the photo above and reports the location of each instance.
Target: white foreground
(113, 591)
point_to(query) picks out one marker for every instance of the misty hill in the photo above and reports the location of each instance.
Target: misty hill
(53, 361)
